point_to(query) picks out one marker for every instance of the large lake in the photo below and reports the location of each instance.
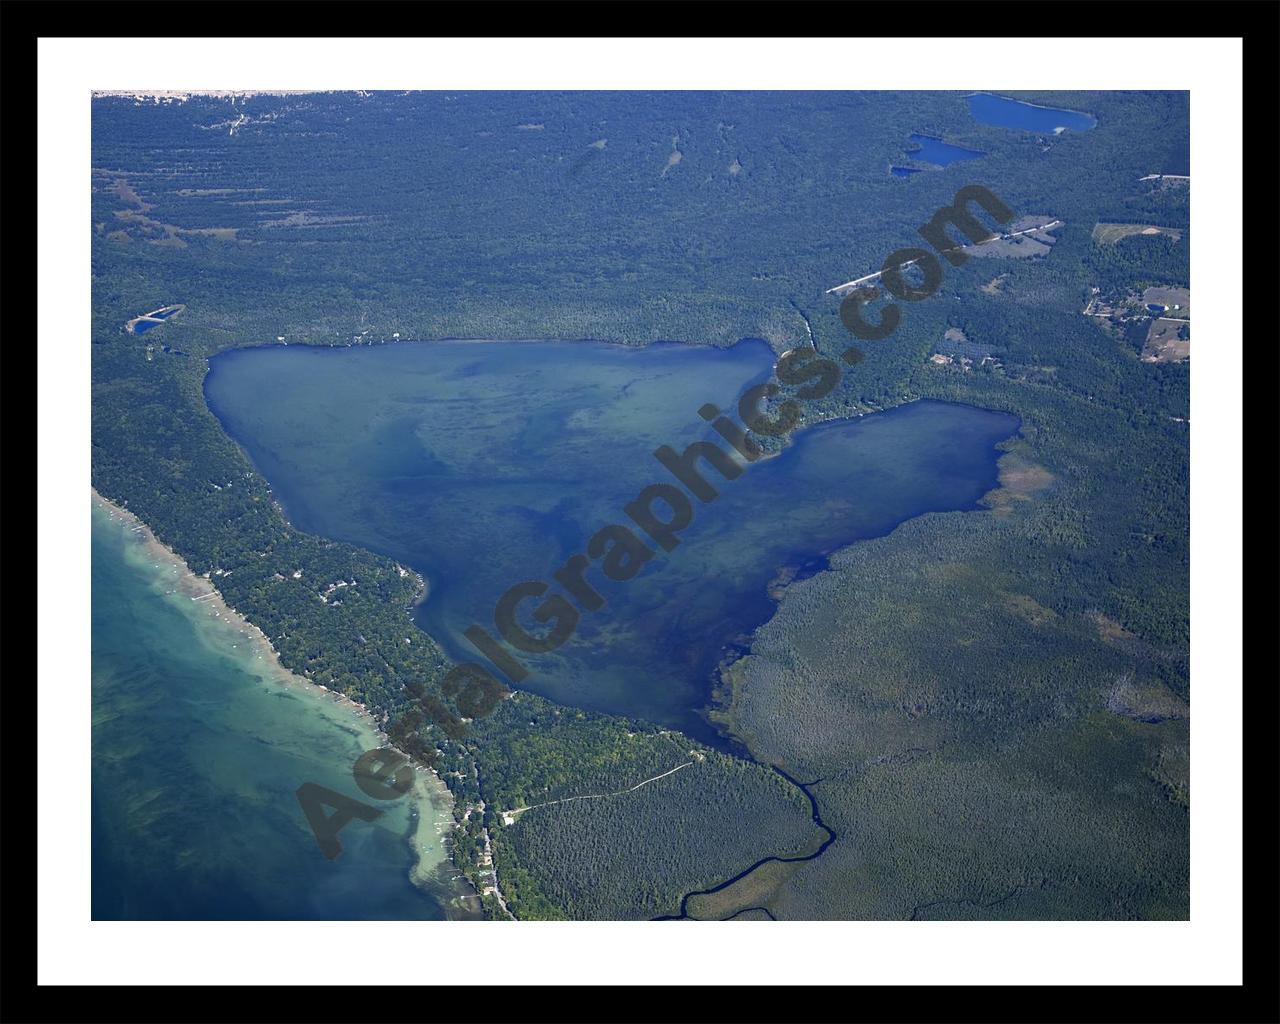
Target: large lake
(483, 464)
(198, 749)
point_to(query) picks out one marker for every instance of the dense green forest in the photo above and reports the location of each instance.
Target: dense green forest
(642, 818)
(634, 855)
(998, 701)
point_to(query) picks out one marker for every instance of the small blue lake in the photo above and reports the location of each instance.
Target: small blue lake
(933, 150)
(142, 326)
(903, 172)
(1006, 113)
(1157, 310)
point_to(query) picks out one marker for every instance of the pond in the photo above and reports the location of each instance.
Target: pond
(932, 150)
(1006, 113)
(485, 464)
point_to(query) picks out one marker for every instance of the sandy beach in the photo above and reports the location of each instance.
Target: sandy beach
(432, 803)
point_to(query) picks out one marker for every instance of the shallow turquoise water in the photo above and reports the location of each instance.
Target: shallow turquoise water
(198, 749)
(486, 464)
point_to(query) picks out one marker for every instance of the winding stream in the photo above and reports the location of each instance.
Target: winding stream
(817, 820)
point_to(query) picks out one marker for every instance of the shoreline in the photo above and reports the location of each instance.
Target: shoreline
(430, 800)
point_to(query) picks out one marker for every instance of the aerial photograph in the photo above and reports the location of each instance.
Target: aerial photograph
(640, 505)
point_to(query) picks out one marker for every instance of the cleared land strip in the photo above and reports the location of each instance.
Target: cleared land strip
(1170, 319)
(1109, 234)
(955, 248)
(508, 817)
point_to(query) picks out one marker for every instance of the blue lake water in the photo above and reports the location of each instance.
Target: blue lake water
(1153, 308)
(486, 464)
(142, 326)
(1006, 113)
(198, 749)
(934, 151)
(904, 172)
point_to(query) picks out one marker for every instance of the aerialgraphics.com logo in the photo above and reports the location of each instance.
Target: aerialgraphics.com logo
(660, 512)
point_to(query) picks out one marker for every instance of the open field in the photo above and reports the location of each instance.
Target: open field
(1027, 236)
(1168, 341)
(1109, 234)
(1177, 301)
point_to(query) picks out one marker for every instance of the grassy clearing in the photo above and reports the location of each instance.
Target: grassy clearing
(1109, 234)
(1177, 300)
(993, 287)
(1168, 341)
